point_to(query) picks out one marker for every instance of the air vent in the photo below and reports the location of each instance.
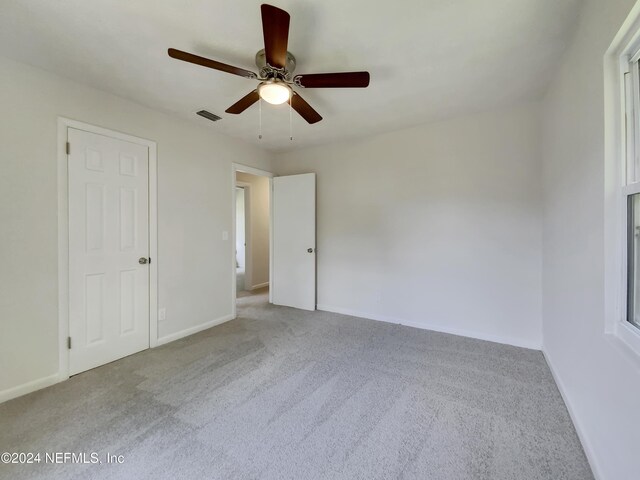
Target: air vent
(209, 116)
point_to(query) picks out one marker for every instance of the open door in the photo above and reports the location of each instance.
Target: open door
(294, 241)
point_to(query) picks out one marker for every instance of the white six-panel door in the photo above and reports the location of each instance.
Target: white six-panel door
(108, 241)
(294, 241)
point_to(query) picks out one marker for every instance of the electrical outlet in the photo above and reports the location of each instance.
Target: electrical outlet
(162, 314)
(225, 235)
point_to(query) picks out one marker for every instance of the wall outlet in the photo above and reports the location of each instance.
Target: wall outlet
(162, 314)
(225, 235)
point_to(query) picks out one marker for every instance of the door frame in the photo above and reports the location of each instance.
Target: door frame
(238, 167)
(63, 233)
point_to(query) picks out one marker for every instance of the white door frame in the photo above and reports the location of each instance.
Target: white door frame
(63, 234)
(238, 167)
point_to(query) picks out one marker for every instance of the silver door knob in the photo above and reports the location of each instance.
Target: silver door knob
(142, 260)
(310, 250)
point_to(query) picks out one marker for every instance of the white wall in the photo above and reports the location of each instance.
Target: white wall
(194, 168)
(436, 226)
(599, 379)
(258, 266)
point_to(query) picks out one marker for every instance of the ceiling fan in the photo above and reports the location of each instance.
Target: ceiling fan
(276, 66)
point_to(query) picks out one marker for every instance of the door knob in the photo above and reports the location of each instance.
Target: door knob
(310, 250)
(142, 260)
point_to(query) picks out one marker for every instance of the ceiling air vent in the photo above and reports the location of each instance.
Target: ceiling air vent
(208, 115)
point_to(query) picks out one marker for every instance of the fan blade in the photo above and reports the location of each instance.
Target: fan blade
(244, 103)
(275, 28)
(333, 80)
(205, 62)
(305, 110)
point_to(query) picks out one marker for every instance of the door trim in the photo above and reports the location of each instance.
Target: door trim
(238, 167)
(63, 234)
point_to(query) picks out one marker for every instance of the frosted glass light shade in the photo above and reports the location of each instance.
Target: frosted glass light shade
(274, 93)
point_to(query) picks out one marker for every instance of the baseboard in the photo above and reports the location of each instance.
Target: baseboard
(584, 440)
(29, 387)
(191, 330)
(44, 382)
(260, 285)
(436, 328)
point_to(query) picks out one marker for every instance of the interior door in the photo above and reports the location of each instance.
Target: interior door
(294, 241)
(108, 249)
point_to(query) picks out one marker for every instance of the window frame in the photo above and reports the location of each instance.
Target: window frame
(630, 174)
(622, 146)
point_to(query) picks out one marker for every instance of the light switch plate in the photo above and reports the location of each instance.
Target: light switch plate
(225, 235)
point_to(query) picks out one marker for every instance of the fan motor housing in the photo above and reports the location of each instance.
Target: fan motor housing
(267, 71)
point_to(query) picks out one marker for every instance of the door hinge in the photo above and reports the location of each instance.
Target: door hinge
(68, 148)
(69, 343)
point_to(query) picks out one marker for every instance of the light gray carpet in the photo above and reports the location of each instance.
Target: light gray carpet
(279, 393)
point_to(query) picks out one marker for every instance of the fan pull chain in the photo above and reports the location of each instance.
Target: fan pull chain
(290, 121)
(260, 119)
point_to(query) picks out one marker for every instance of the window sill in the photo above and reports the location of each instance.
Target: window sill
(626, 338)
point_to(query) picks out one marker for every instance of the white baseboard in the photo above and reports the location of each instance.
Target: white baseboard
(191, 330)
(436, 328)
(29, 387)
(584, 440)
(34, 385)
(260, 285)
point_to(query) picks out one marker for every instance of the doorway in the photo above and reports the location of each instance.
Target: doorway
(279, 238)
(252, 232)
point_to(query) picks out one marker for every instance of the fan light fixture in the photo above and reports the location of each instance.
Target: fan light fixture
(274, 92)
(276, 66)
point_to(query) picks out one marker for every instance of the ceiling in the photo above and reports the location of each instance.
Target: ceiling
(428, 59)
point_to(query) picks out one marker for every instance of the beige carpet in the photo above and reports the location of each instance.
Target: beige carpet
(279, 393)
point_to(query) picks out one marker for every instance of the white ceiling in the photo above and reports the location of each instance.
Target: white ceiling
(428, 59)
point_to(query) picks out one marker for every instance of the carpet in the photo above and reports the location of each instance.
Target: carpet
(280, 393)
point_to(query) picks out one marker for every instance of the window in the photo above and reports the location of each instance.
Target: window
(633, 263)
(622, 186)
(631, 188)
